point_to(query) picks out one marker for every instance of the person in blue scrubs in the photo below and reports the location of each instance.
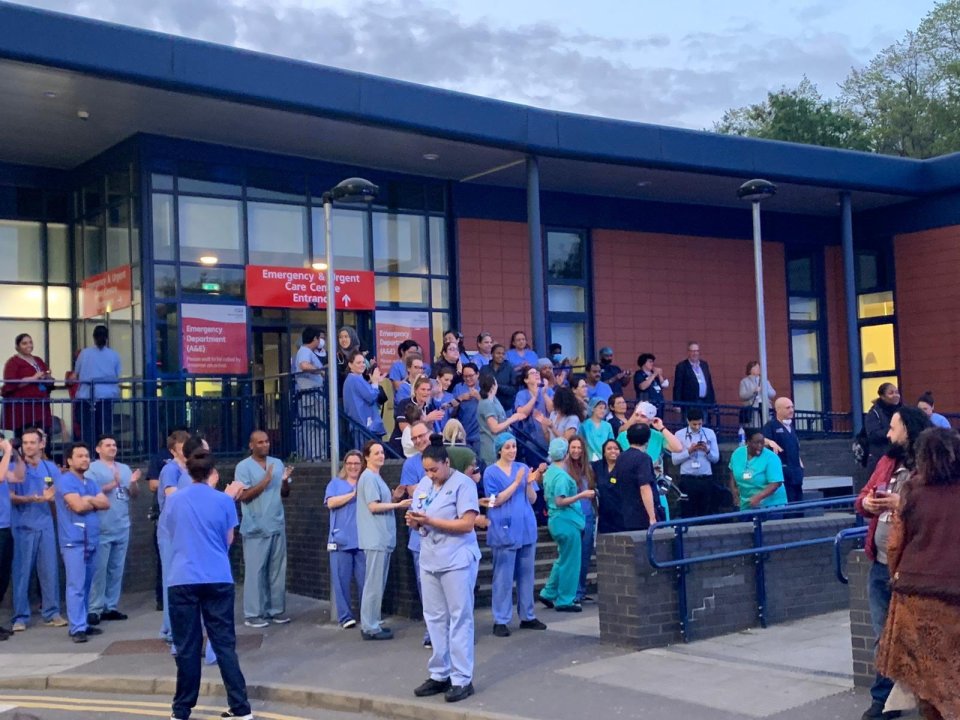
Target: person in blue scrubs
(444, 511)
(119, 484)
(467, 394)
(413, 370)
(200, 523)
(6, 536)
(534, 388)
(346, 558)
(172, 476)
(512, 535)
(98, 371)
(34, 538)
(360, 400)
(79, 504)
(519, 354)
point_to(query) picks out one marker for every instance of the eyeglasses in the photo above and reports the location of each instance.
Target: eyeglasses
(421, 436)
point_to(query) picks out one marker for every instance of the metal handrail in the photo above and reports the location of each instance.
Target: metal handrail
(854, 533)
(759, 550)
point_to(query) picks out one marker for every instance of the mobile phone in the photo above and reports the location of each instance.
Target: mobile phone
(882, 490)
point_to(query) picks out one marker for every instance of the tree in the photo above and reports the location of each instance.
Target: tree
(799, 115)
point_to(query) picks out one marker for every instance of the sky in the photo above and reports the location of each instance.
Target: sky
(678, 63)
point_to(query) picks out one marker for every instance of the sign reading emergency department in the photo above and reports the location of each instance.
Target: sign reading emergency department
(214, 339)
(284, 287)
(106, 292)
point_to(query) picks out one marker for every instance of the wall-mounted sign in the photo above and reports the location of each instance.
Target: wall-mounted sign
(106, 292)
(395, 326)
(284, 287)
(214, 339)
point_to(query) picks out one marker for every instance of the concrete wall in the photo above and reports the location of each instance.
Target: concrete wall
(639, 603)
(861, 629)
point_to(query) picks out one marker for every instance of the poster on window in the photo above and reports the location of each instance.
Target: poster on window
(106, 292)
(395, 326)
(214, 339)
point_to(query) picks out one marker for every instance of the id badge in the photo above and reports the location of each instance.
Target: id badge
(331, 546)
(747, 475)
(695, 465)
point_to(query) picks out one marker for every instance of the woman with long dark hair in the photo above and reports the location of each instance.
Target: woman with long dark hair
(360, 397)
(878, 502)
(609, 516)
(26, 389)
(564, 421)
(577, 465)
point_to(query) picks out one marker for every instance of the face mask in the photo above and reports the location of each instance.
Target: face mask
(606, 361)
(322, 345)
(557, 359)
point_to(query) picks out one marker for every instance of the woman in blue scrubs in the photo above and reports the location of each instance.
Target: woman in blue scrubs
(346, 558)
(512, 535)
(445, 506)
(520, 355)
(360, 401)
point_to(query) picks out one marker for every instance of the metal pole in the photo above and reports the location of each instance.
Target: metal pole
(761, 314)
(538, 310)
(333, 423)
(850, 296)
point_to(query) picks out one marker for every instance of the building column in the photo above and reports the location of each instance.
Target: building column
(850, 295)
(538, 309)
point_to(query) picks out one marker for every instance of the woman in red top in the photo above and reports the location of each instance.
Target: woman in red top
(26, 404)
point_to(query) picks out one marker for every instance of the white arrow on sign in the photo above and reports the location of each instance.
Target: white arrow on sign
(346, 300)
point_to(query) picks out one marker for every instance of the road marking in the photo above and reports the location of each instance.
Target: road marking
(133, 707)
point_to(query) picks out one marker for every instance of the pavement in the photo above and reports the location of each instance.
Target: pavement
(785, 672)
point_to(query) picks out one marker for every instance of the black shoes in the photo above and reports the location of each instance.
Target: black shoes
(875, 712)
(111, 615)
(456, 693)
(548, 603)
(93, 619)
(530, 625)
(432, 687)
(79, 637)
(382, 634)
(94, 631)
(501, 630)
(5, 634)
(568, 608)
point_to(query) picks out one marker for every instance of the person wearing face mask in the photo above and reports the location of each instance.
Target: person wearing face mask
(876, 422)
(309, 367)
(612, 375)
(780, 430)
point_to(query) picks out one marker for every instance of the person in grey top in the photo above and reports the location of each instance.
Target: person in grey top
(377, 537)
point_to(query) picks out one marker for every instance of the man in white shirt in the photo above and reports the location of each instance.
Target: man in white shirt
(700, 451)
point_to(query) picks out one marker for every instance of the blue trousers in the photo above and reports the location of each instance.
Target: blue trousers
(191, 608)
(346, 565)
(513, 565)
(448, 610)
(265, 576)
(108, 574)
(164, 546)
(415, 554)
(374, 582)
(586, 553)
(35, 548)
(878, 594)
(78, 563)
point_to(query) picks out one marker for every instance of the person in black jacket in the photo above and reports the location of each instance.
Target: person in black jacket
(692, 382)
(781, 431)
(877, 422)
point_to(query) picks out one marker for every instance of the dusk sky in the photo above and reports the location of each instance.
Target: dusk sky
(680, 63)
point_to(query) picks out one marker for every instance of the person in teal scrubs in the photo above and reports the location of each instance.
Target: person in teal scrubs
(595, 429)
(565, 522)
(756, 474)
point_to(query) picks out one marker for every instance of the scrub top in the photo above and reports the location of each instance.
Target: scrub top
(34, 516)
(5, 500)
(308, 380)
(489, 408)
(411, 475)
(654, 447)
(197, 521)
(76, 528)
(633, 469)
(441, 551)
(564, 424)
(609, 513)
(601, 390)
(360, 403)
(517, 358)
(512, 523)
(762, 470)
(595, 436)
(172, 476)
(529, 424)
(262, 516)
(467, 412)
(375, 531)
(557, 483)
(343, 520)
(115, 520)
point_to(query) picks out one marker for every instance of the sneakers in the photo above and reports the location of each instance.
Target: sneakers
(548, 603)
(55, 621)
(94, 631)
(93, 619)
(501, 630)
(19, 627)
(456, 693)
(279, 619)
(113, 615)
(79, 637)
(381, 634)
(228, 715)
(568, 608)
(432, 687)
(347, 624)
(875, 712)
(428, 643)
(256, 622)
(533, 624)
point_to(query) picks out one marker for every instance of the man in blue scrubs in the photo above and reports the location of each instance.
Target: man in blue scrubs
(34, 541)
(263, 527)
(79, 502)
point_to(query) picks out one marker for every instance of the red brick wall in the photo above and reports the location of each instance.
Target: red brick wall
(837, 330)
(494, 279)
(927, 297)
(642, 304)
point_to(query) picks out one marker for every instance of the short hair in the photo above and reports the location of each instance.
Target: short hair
(644, 358)
(100, 336)
(412, 412)
(638, 434)
(691, 343)
(411, 359)
(68, 452)
(750, 366)
(694, 414)
(938, 457)
(471, 366)
(31, 431)
(751, 431)
(487, 381)
(406, 345)
(592, 364)
(309, 334)
(106, 436)
(884, 387)
(177, 437)
(556, 348)
(446, 370)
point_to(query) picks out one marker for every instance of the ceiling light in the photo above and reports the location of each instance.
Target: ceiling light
(319, 266)
(644, 183)
(431, 156)
(49, 94)
(209, 260)
(83, 114)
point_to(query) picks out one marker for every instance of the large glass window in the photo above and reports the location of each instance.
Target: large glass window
(807, 330)
(567, 293)
(277, 234)
(20, 248)
(210, 228)
(876, 318)
(58, 253)
(350, 239)
(163, 237)
(399, 243)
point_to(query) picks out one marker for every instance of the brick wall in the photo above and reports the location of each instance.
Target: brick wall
(494, 279)
(861, 628)
(639, 603)
(927, 295)
(836, 314)
(641, 303)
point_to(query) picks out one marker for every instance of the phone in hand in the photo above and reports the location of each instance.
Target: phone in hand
(882, 490)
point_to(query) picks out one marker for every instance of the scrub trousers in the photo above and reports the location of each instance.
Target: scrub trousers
(448, 610)
(378, 565)
(415, 555)
(561, 587)
(588, 540)
(191, 608)
(878, 595)
(108, 573)
(79, 564)
(35, 548)
(347, 565)
(265, 575)
(513, 565)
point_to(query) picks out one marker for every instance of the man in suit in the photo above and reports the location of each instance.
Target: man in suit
(780, 430)
(692, 382)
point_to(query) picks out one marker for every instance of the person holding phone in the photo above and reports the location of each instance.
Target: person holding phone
(696, 460)
(26, 389)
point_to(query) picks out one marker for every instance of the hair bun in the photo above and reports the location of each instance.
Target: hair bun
(436, 440)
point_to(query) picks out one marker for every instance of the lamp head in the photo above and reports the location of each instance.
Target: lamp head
(756, 190)
(354, 190)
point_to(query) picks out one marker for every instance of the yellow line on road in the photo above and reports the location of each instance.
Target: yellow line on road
(136, 707)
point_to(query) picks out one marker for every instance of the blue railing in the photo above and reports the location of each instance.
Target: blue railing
(758, 550)
(726, 420)
(856, 534)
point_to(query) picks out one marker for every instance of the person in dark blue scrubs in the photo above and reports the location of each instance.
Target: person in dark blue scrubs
(347, 561)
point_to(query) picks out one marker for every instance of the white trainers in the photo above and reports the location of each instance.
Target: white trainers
(227, 715)
(279, 619)
(256, 622)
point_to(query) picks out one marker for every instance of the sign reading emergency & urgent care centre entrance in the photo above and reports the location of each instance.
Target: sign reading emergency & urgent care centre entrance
(286, 287)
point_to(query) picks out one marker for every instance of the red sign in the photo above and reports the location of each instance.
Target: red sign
(284, 287)
(395, 326)
(107, 292)
(214, 339)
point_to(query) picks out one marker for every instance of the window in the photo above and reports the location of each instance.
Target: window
(210, 227)
(876, 318)
(163, 247)
(807, 329)
(20, 248)
(350, 239)
(873, 305)
(277, 234)
(401, 291)
(567, 293)
(399, 243)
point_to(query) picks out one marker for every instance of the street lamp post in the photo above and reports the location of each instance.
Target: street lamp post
(755, 191)
(351, 190)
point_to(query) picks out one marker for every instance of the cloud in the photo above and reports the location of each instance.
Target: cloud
(540, 64)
